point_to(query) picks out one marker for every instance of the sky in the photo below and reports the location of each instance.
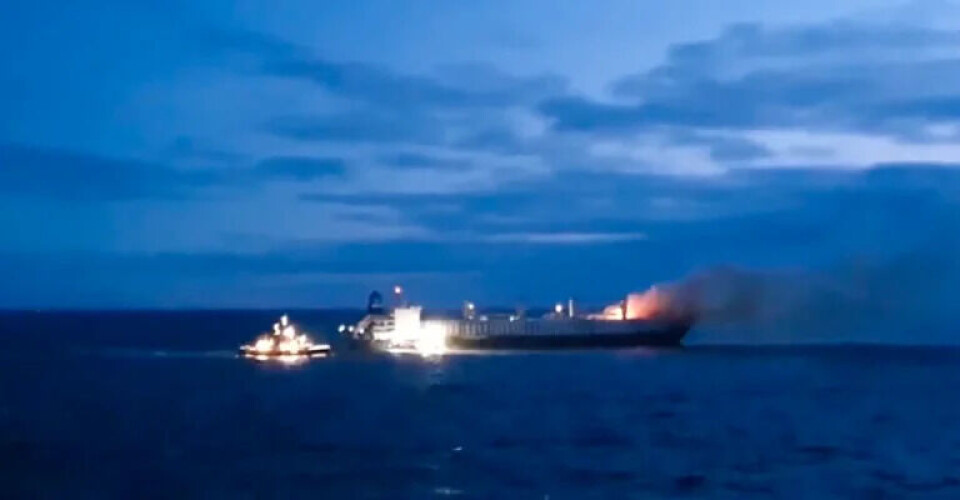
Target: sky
(210, 154)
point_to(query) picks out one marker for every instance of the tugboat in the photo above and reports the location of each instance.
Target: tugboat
(285, 344)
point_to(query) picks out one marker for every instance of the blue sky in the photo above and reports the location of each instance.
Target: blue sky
(232, 154)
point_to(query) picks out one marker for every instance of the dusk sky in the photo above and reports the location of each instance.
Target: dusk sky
(300, 153)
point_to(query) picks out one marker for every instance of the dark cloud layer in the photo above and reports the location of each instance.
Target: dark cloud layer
(404, 159)
(359, 126)
(264, 46)
(377, 86)
(464, 106)
(28, 171)
(299, 168)
(799, 209)
(382, 87)
(887, 79)
(723, 149)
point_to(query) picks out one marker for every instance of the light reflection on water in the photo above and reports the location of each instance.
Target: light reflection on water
(134, 353)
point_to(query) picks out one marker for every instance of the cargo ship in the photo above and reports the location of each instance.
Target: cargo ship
(638, 320)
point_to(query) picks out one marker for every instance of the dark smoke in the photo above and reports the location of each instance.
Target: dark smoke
(910, 298)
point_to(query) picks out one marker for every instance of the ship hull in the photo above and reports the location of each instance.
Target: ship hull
(312, 352)
(540, 335)
(667, 337)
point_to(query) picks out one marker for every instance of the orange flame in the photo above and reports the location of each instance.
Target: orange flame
(653, 303)
(646, 305)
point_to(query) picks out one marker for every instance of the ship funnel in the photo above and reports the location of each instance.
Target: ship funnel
(375, 303)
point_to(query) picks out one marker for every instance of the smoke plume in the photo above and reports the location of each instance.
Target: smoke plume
(908, 298)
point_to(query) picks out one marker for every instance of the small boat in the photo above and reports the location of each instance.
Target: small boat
(285, 344)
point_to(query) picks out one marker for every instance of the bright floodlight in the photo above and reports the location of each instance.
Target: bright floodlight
(431, 341)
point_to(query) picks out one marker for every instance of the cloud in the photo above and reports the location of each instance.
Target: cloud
(359, 126)
(564, 238)
(723, 148)
(371, 84)
(419, 160)
(936, 108)
(494, 139)
(526, 243)
(189, 150)
(837, 76)
(465, 107)
(265, 46)
(279, 279)
(76, 176)
(35, 171)
(838, 207)
(381, 87)
(300, 168)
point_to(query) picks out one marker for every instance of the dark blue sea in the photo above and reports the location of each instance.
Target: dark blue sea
(155, 405)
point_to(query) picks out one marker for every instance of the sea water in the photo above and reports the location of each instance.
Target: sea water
(156, 405)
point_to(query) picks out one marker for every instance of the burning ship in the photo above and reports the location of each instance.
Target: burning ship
(641, 319)
(284, 344)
